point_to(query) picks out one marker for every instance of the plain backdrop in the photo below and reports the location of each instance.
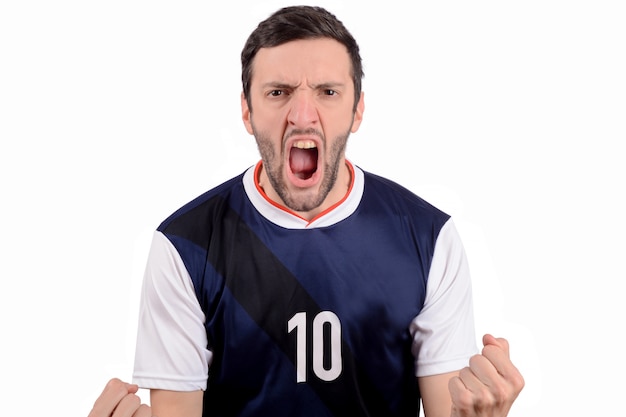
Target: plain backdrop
(510, 116)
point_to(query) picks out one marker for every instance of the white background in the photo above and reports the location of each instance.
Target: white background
(508, 115)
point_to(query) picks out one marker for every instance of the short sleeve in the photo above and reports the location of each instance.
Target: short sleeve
(443, 333)
(171, 351)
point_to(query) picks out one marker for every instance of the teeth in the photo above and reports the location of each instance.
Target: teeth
(304, 144)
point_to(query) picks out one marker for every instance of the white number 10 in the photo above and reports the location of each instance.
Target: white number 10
(298, 322)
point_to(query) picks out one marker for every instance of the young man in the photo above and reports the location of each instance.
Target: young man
(306, 286)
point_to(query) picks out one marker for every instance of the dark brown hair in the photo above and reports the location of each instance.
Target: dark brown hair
(297, 23)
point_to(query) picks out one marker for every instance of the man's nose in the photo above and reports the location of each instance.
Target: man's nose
(303, 111)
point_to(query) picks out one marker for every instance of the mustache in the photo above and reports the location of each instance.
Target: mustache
(308, 131)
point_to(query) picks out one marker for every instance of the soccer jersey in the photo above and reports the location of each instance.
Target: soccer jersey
(273, 315)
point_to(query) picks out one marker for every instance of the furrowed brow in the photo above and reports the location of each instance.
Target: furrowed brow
(329, 86)
(278, 84)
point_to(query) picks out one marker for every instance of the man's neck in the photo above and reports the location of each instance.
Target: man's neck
(339, 192)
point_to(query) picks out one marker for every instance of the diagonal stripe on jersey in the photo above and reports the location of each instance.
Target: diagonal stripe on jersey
(255, 277)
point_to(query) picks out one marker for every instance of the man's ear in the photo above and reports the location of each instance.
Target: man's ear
(245, 114)
(358, 113)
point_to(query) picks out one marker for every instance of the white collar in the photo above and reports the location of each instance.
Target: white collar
(286, 218)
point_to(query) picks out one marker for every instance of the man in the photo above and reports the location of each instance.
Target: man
(306, 286)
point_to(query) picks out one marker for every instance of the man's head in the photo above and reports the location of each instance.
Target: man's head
(299, 23)
(301, 102)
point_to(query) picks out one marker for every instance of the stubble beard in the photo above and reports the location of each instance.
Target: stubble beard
(273, 165)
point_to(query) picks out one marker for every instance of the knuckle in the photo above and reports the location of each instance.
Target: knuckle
(500, 395)
(115, 384)
(491, 350)
(476, 360)
(483, 399)
(142, 411)
(129, 402)
(464, 402)
(504, 343)
(465, 373)
(518, 382)
(134, 401)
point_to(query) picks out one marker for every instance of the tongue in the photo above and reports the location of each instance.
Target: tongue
(303, 162)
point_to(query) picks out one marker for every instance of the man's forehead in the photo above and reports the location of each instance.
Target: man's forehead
(319, 57)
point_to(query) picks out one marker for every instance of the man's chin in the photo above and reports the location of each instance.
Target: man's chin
(303, 203)
(304, 196)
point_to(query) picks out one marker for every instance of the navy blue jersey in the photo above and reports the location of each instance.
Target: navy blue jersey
(309, 321)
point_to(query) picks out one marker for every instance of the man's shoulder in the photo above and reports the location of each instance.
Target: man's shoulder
(211, 200)
(390, 193)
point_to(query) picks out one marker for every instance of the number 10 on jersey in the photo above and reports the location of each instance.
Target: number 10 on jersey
(298, 323)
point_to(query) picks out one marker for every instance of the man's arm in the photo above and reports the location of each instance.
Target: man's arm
(176, 404)
(436, 395)
(487, 387)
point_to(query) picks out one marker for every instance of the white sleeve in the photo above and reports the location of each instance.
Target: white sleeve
(443, 333)
(171, 351)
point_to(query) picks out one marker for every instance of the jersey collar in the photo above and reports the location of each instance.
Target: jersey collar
(284, 217)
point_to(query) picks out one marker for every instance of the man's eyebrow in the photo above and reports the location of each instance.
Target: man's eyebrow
(328, 85)
(277, 84)
(320, 86)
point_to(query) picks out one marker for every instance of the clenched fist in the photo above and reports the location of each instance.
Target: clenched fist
(119, 399)
(489, 385)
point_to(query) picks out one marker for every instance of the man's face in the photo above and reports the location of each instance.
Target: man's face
(302, 99)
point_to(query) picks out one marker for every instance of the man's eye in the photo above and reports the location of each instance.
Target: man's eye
(330, 92)
(276, 93)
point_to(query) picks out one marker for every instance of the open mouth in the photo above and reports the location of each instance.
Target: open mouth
(303, 159)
